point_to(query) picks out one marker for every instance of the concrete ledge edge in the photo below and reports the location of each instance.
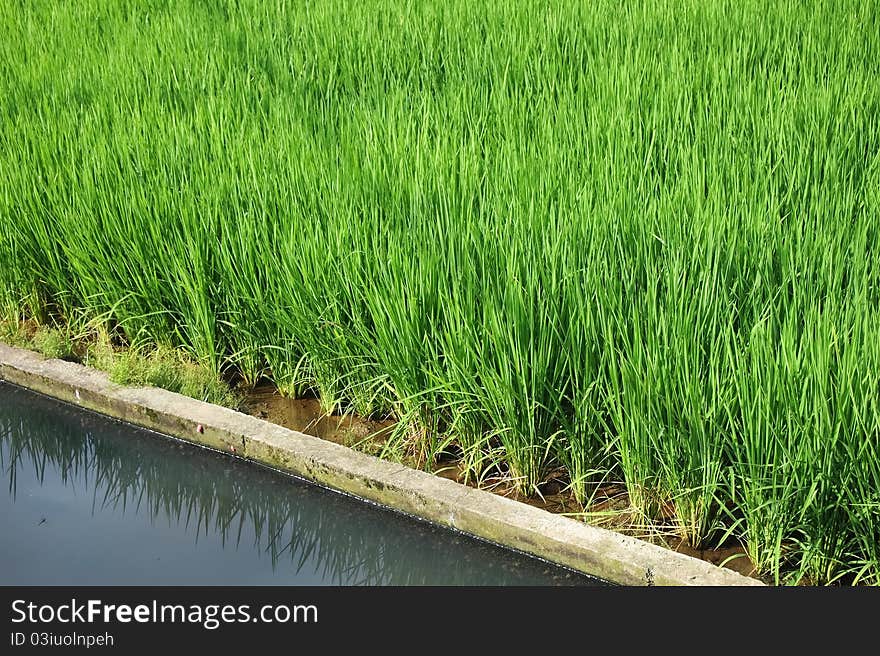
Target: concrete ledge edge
(598, 552)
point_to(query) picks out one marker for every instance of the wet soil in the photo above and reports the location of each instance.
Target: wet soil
(306, 416)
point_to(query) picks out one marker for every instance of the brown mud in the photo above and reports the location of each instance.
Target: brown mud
(306, 416)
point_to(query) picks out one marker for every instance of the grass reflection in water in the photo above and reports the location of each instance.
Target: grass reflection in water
(120, 470)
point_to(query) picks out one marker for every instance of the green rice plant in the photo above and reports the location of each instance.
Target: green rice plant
(606, 241)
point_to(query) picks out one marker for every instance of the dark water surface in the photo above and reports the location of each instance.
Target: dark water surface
(87, 500)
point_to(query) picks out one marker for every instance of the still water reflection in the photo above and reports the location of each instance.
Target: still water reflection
(91, 501)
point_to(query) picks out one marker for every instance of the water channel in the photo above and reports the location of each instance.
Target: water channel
(87, 500)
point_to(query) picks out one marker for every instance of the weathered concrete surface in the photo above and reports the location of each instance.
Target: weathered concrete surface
(595, 551)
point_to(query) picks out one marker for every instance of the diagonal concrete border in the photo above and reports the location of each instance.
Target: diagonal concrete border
(598, 552)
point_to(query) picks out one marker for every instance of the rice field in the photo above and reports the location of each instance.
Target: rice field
(615, 241)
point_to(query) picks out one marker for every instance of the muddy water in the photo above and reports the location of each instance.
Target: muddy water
(305, 415)
(87, 501)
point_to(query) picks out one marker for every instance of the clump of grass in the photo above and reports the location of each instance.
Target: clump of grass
(172, 370)
(53, 343)
(14, 331)
(164, 367)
